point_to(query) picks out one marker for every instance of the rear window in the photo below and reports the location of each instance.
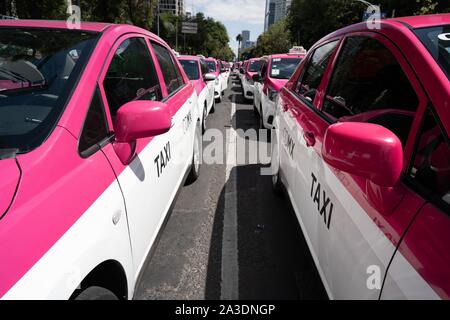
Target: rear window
(283, 68)
(191, 69)
(437, 41)
(212, 67)
(255, 66)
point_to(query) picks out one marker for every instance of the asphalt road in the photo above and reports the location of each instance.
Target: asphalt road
(229, 235)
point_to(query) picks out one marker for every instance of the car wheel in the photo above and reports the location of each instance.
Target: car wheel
(277, 184)
(205, 116)
(96, 293)
(219, 99)
(196, 159)
(213, 108)
(261, 119)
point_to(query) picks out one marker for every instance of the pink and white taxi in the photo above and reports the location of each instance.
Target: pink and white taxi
(214, 68)
(362, 147)
(251, 68)
(99, 129)
(203, 81)
(275, 73)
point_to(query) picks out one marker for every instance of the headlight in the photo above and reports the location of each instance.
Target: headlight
(272, 94)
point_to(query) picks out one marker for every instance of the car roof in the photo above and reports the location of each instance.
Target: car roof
(286, 55)
(54, 24)
(187, 57)
(425, 20)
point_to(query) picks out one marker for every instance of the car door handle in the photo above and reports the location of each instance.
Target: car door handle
(310, 139)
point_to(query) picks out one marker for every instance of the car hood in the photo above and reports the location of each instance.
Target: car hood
(9, 181)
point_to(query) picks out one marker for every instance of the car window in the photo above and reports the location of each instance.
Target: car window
(212, 67)
(255, 66)
(39, 69)
(95, 128)
(431, 163)
(283, 68)
(203, 67)
(369, 85)
(314, 70)
(264, 70)
(131, 75)
(191, 69)
(437, 41)
(171, 74)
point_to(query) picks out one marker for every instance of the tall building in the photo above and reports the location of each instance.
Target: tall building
(269, 18)
(275, 11)
(245, 39)
(177, 7)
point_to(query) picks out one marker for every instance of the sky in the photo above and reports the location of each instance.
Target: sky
(236, 15)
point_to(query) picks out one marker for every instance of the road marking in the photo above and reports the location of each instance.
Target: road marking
(230, 266)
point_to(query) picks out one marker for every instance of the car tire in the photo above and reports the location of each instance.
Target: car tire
(219, 99)
(96, 293)
(277, 184)
(213, 108)
(205, 116)
(261, 119)
(196, 158)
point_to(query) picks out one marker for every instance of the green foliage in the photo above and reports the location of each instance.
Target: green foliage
(309, 21)
(277, 39)
(43, 9)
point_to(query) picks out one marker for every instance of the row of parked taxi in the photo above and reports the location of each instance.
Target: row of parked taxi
(360, 144)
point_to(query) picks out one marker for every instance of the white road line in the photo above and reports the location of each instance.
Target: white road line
(230, 266)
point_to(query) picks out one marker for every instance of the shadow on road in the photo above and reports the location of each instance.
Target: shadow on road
(274, 260)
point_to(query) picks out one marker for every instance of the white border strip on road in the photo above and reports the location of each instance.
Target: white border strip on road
(230, 266)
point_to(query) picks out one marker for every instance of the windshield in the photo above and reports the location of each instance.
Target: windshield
(283, 68)
(255, 66)
(38, 70)
(191, 69)
(437, 41)
(211, 66)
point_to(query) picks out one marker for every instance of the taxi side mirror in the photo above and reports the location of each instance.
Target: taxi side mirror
(136, 120)
(209, 77)
(366, 150)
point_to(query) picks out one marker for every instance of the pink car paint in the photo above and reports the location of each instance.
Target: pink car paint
(379, 157)
(277, 84)
(55, 185)
(199, 84)
(141, 119)
(417, 228)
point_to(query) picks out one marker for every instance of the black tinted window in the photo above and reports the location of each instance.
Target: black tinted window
(203, 67)
(431, 165)
(172, 77)
(255, 66)
(283, 68)
(39, 68)
(191, 69)
(314, 71)
(212, 66)
(95, 127)
(369, 85)
(131, 75)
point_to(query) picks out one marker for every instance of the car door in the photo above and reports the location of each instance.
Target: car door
(209, 85)
(359, 223)
(259, 85)
(149, 180)
(420, 268)
(297, 101)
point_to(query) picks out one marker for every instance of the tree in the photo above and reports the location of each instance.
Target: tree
(276, 39)
(309, 20)
(239, 40)
(43, 9)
